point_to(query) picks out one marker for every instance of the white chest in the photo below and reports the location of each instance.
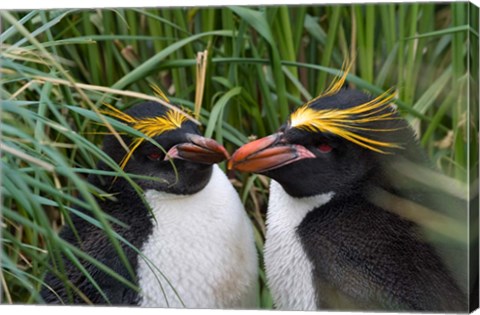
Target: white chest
(201, 253)
(289, 272)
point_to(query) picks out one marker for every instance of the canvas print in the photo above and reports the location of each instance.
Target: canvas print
(306, 157)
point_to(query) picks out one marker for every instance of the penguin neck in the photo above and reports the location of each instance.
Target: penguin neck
(294, 208)
(294, 290)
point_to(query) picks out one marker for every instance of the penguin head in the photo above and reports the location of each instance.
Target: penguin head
(335, 143)
(182, 161)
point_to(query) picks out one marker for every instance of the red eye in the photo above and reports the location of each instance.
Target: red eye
(324, 148)
(154, 156)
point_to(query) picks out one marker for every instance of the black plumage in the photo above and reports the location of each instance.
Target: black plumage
(368, 258)
(129, 209)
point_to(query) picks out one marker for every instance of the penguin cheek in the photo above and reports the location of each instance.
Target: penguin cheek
(183, 177)
(305, 178)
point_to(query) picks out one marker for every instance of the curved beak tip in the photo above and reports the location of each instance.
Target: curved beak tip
(225, 152)
(230, 164)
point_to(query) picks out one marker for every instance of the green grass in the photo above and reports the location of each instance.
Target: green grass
(262, 63)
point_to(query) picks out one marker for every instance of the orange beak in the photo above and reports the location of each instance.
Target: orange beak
(199, 149)
(267, 153)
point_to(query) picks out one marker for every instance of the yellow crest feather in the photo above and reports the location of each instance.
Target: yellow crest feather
(337, 83)
(154, 126)
(149, 126)
(346, 123)
(159, 92)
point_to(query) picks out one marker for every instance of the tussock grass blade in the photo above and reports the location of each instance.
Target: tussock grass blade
(315, 30)
(430, 95)
(259, 22)
(385, 73)
(202, 61)
(216, 114)
(429, 132)
(148, 66)
(333, 24)
(40, 30)
(5, 35)
(448, 31)
(387, 16)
